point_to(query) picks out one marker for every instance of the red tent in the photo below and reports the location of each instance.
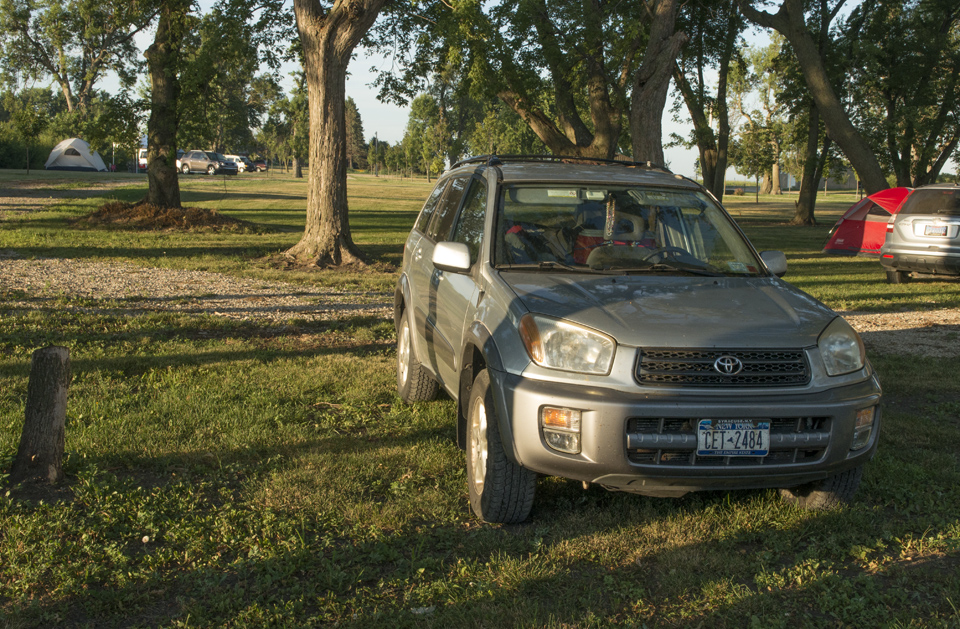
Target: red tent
(863, 228)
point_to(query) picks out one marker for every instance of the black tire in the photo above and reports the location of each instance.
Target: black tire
(897, 277)
(829, 493)
(211, 170)
(414, 383)
(185, 169)
(500, 491)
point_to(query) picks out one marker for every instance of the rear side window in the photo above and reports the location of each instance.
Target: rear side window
(427, 212)
(442, 223)
(933, 202)
(469, 230)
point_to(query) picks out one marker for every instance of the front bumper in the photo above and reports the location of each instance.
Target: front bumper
(618, 452)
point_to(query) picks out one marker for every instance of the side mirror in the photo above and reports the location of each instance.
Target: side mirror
(452, 256)
(776, 262)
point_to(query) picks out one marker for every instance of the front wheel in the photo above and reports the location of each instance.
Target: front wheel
(211, 170)
(500, 490)
(829, 493)
(414, 383)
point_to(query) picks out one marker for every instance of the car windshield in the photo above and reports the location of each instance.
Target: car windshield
(932, 201)
(620, 229)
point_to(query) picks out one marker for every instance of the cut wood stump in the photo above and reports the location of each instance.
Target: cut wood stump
(40, 456)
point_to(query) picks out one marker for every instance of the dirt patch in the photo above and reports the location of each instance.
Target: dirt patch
(33, 195)
(925, 333)
(151, 217)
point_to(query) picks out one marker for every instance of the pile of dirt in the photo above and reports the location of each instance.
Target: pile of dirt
(147, 216)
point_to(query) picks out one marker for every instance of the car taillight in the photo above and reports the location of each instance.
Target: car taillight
(889, 228)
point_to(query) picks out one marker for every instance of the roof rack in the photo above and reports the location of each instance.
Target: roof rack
(496, 160)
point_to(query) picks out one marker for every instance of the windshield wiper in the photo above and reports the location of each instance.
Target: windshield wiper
(660, 267)
(545, 265)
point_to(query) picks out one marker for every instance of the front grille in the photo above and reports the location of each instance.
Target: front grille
(665, 441)
(695, 367)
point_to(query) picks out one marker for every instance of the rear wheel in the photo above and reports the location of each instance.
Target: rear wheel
(414, 383)
(500, 491)
(185, 169)
(897, 277)
(829, 493)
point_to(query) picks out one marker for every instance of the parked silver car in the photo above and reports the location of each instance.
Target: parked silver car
(925, 236)
(206, 162)
(610, 323)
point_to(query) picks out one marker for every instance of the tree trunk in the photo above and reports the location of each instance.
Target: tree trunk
(807, 198)
(40, 456)
(163, 59)
(767, 186)
(775, 178)
(789, 22)
(328, 38)
(651, 82)
(297, 168)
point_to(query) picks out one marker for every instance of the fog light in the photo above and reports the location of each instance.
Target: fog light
(563, 441)
(561, 428)
(863, 428)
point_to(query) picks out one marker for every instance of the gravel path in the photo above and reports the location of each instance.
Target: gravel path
(124, 288)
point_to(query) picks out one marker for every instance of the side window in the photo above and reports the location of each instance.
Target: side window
(442, 222)
(469, 230)
(427, 212)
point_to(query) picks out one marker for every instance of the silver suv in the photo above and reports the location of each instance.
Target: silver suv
(925, 235)
(610, 323)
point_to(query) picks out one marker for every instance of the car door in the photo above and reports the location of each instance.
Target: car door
(426, 279)
(456, 293)
(419, 270)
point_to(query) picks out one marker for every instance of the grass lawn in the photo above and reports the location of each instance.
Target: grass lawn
(223, 473)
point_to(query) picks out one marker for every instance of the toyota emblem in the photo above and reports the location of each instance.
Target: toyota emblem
(728, 365)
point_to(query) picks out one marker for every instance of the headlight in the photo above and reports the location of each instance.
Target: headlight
(557, 344)
(841, 348)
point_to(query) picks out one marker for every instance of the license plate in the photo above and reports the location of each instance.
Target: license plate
(733, 437)
(935, 230)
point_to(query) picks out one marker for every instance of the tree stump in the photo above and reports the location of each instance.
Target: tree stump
(40, 456)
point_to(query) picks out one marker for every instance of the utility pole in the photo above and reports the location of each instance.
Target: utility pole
(376, 154)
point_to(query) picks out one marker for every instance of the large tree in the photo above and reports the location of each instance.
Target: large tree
(566, 67)
(328, 36)
(74, 42)
(905, 82)
(652, 80)
(715, 28)
(163, 61)
(790, 21)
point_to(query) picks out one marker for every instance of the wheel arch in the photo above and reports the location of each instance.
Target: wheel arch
(479, 352)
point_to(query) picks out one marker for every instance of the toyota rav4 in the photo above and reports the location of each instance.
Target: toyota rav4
(610, 323)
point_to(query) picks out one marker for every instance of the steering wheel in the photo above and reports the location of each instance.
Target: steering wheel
(663, 251)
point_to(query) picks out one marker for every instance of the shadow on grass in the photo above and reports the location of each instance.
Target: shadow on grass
(520, 575)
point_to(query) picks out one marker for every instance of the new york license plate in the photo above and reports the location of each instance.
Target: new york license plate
(733, 437)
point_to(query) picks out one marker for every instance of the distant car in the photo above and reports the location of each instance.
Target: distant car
(925, 236)
(206, 162)
(142, 159)
(243, 163)
(261, 165)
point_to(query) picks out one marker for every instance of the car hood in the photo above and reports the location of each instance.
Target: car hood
(671, 311)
